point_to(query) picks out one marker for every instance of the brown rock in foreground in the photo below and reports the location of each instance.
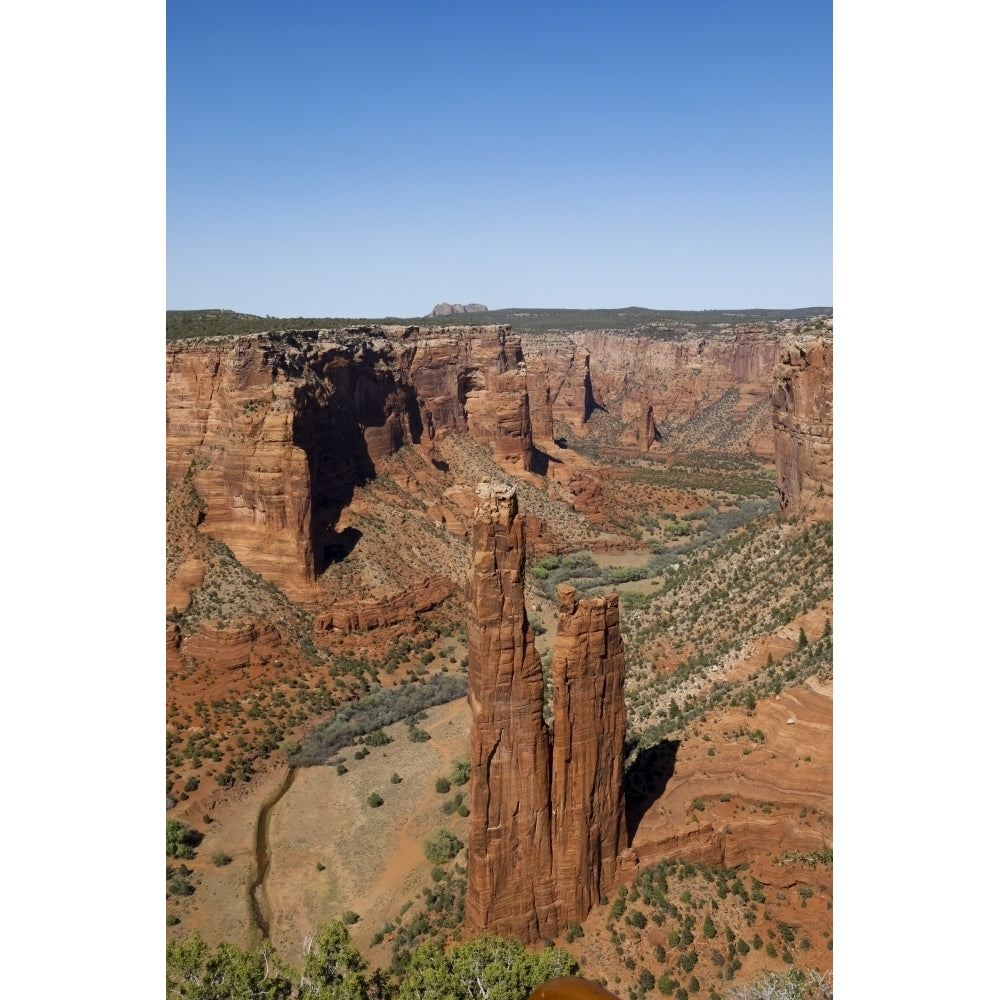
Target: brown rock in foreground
(510, 886)
(547, 819)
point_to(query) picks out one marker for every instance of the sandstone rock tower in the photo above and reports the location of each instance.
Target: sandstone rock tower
(588, 790)
(510, 886)
(545, 832)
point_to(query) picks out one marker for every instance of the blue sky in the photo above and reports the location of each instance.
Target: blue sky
(373, 159)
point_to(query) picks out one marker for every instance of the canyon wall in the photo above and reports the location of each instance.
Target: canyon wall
(713, 392)
(802, 400)
(277, 430)
(547, 823)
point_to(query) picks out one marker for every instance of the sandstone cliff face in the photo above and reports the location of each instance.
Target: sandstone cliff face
(802, 400)
(510, 885)
(547, 824)
(709, 392)
(277, 430)
(588, 790)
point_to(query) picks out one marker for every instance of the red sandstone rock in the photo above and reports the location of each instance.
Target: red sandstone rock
(277, 430)
(541, 851)
(802, 400)
(649, 383)
(404, 606)
(588, 799)
(231, 648)
(510, 886)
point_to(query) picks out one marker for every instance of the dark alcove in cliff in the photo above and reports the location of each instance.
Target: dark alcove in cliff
(646, 780)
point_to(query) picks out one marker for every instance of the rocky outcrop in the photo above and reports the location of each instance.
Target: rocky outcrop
(278, 430)
(510, 886)
(802, 400)
(588, 790)
(449, 309)
(231, 648)
(712, 392)
(391, 609)
(547, 824)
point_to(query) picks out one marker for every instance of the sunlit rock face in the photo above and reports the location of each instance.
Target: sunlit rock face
(547, 821)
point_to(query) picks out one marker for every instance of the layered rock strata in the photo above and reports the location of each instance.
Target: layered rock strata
(278, 430)
(802, 401)
(547, 820)
(712, 392)
(510, 886)
(588, 780)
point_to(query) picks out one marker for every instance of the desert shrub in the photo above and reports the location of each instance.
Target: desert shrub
(442, 785)
(381, 708)
(442, 846)
(375, 800)
(179, 886)
(181, 839)
(666, 985)
(191, 785)
(172, 919)
(350, 917)
(377, 739)
(395, 779)
(220, 858)
(461, 771)
(437, 873)
(341, 769)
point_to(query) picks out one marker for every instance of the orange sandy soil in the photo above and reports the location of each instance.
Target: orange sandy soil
(373, 859)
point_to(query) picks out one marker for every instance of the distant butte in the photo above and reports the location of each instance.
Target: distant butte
(448, 309)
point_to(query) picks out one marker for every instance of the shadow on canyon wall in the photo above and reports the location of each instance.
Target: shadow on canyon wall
(646, 780)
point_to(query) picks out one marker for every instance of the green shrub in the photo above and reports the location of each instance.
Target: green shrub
(375, 800)
(442, 785)
(395, 779)
(179, 886)
(350, 917)
(172, 919)
(442, 846)
(220, 858)
(181, 839)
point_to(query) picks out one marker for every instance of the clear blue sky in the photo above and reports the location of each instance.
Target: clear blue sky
(373, 159)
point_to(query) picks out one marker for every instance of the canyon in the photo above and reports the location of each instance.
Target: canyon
(346, 505)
